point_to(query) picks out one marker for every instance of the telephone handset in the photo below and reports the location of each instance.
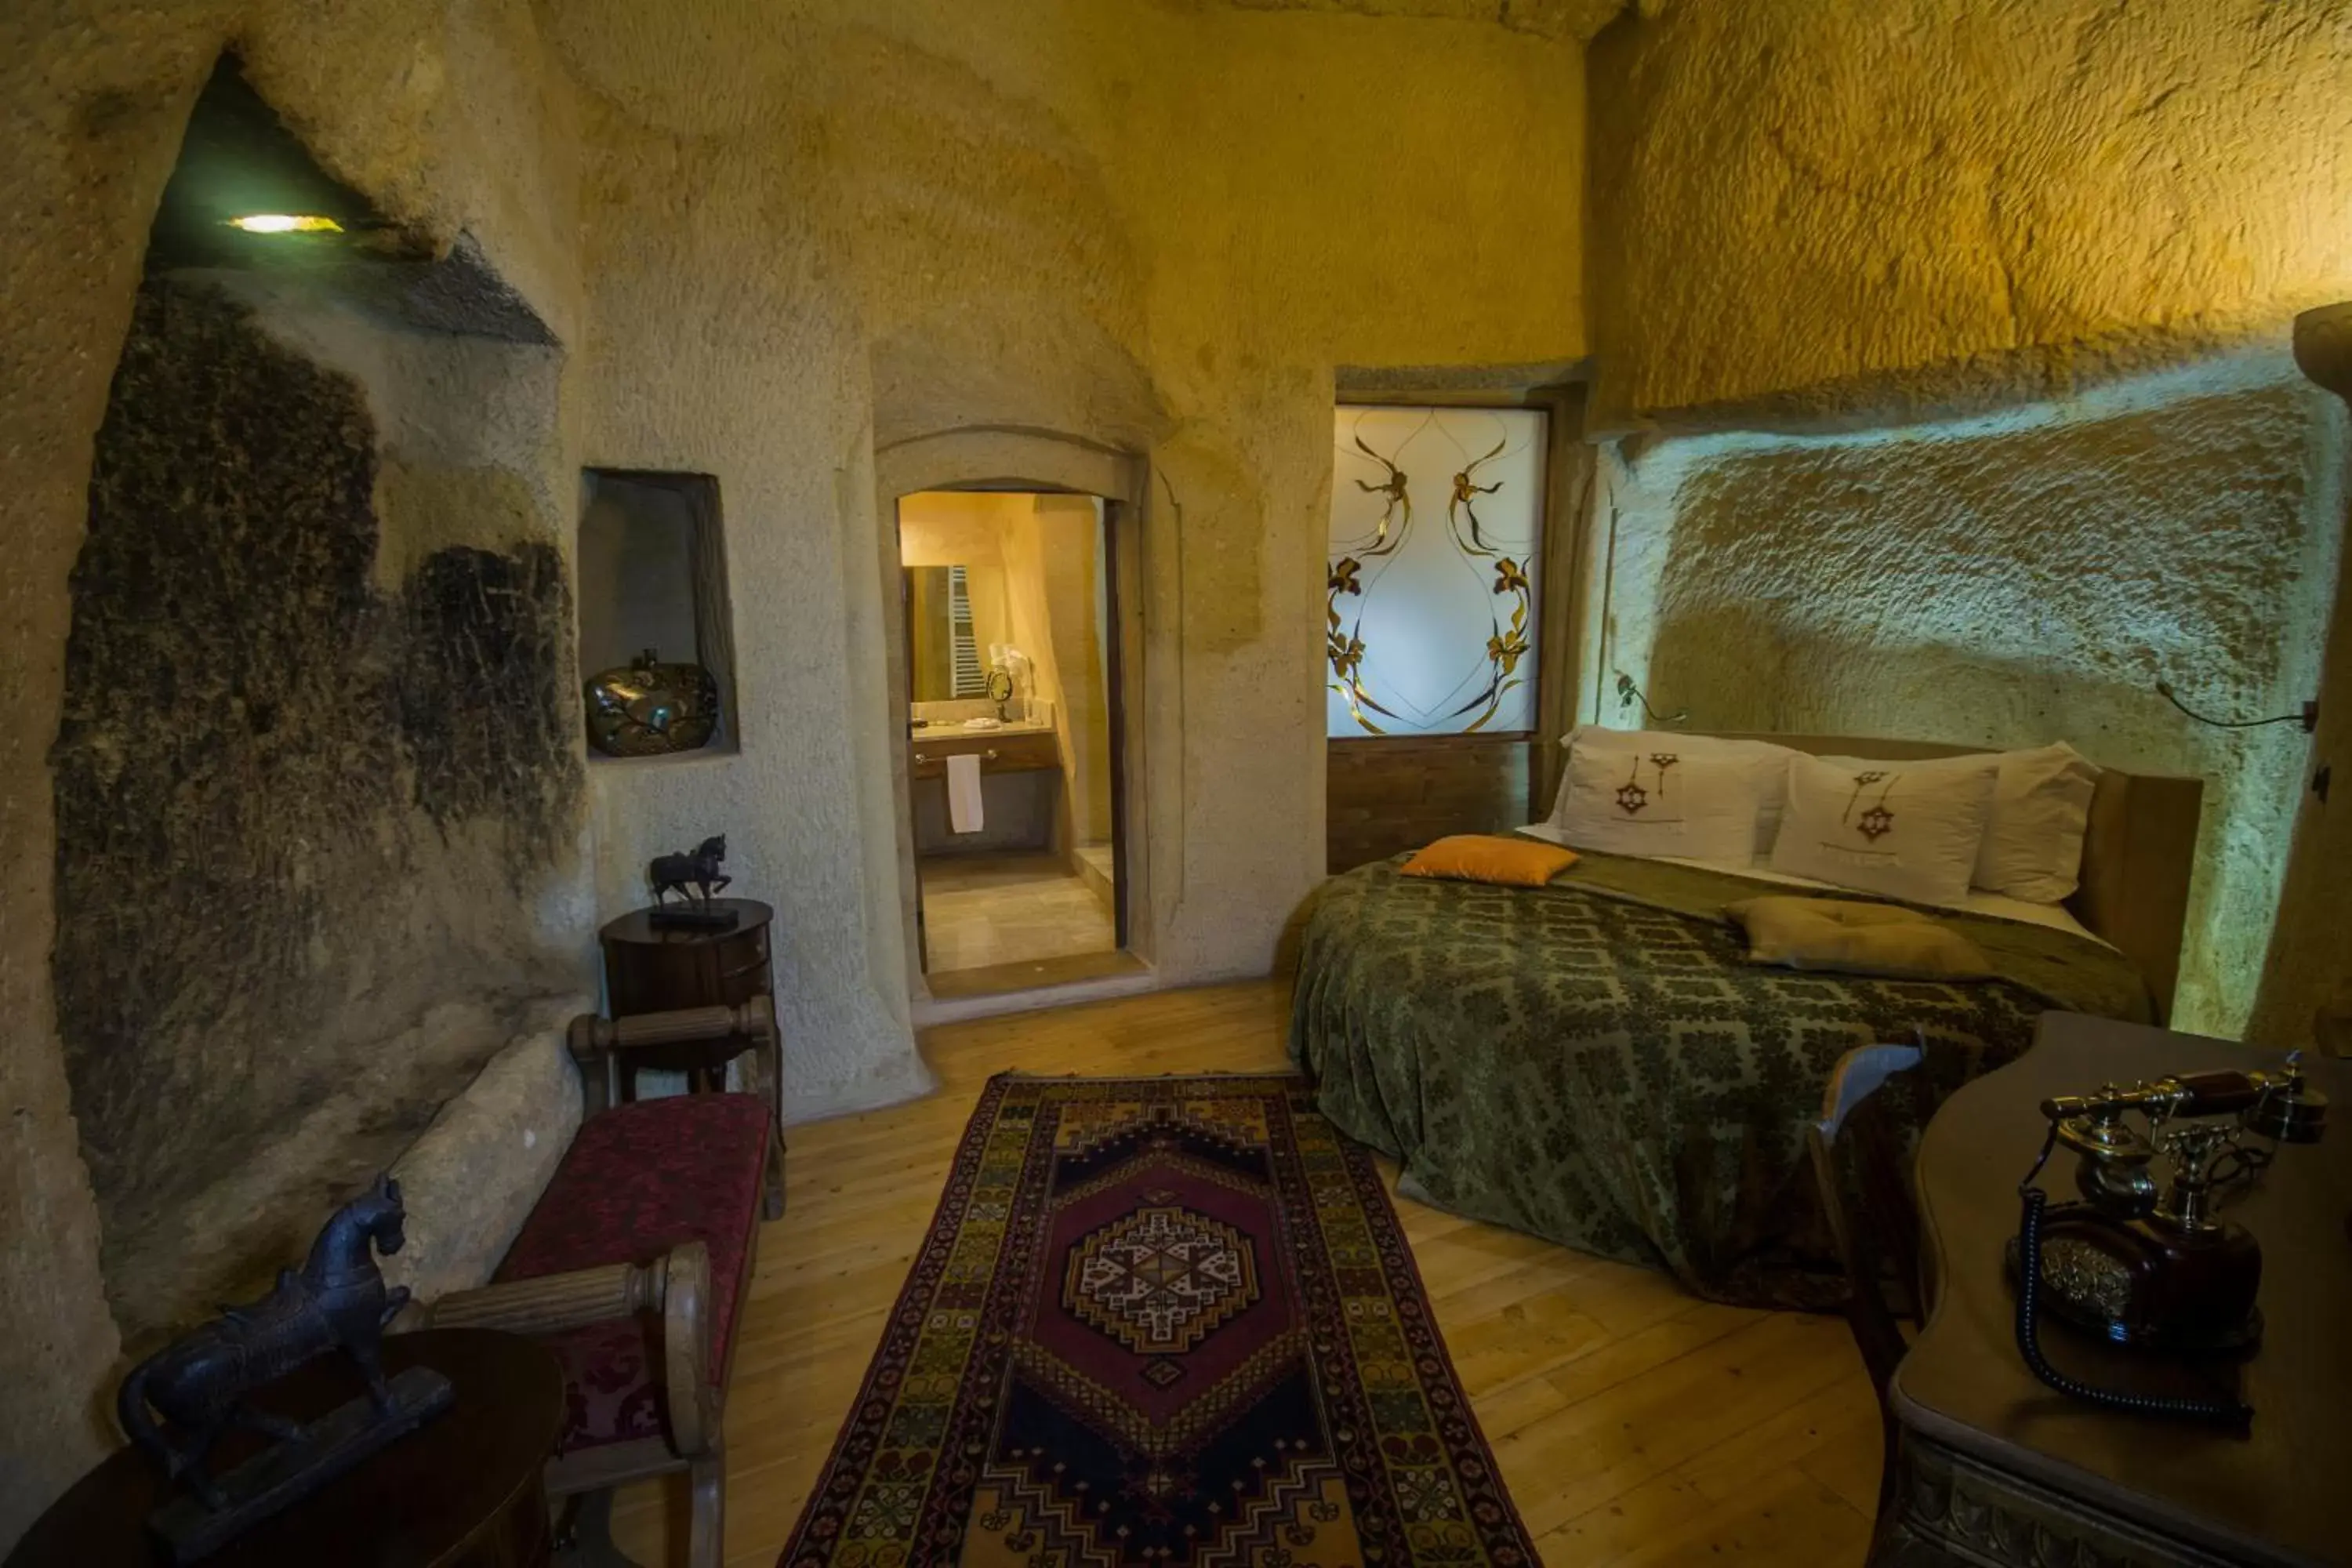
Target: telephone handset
(2149, 1267)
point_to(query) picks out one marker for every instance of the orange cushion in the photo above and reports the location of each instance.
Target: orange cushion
(1484, 858)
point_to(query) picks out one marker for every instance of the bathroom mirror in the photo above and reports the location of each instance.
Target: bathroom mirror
(942, 656)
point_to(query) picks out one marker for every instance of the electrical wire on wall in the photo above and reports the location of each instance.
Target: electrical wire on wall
(1628, 694)
(1604, 486)
(2308, 717)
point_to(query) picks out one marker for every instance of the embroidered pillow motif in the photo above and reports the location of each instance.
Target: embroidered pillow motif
(1909, 830)
(1691, 752)
(1664, 797)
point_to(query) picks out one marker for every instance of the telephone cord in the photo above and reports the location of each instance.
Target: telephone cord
(2227, 1413)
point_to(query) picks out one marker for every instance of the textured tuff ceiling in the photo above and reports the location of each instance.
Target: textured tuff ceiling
(237, 157)
(1550, 18)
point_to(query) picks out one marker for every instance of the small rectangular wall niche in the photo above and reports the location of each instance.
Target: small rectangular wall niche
(652, 574)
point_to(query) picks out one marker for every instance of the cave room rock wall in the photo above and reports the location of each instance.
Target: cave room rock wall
(304, 825)
(2015, 579)
(773, 243)
(1167, 225)
(438, 111)
(1851, 216)
(1865, 208)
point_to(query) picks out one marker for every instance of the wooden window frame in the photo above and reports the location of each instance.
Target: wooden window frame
(1561, 589)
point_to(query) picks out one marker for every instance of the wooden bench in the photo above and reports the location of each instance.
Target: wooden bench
(634, 1265)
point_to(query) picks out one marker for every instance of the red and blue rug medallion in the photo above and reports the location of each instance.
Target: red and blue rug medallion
(1160, 1323)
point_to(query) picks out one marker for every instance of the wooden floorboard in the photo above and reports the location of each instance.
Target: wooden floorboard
(1633, 1423)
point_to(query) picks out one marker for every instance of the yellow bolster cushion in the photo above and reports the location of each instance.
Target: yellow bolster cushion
(1484, 858)
(1858, 938)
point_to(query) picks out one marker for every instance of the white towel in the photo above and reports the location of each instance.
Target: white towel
(963, 792)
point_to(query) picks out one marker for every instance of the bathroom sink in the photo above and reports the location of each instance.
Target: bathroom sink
(943, 730)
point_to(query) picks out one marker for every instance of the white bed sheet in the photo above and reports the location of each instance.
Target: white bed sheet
(1997, 906)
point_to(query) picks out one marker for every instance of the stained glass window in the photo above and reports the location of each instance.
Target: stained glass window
(1436, 530)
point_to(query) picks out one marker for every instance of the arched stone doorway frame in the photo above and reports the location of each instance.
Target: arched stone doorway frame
(1004, 458)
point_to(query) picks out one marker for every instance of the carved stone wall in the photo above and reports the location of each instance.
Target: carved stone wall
(2014, 580)
(1825, 216)
(302, 820)
(1851, 208)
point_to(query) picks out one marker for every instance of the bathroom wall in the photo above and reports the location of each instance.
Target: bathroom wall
(942, 529)
(1049, 556)
(1032, 560)
(1068, 549)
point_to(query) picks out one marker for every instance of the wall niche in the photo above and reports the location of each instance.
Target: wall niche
(653, 578)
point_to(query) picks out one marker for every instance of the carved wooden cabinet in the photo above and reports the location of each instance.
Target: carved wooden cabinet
(1995, 1471)
(1953, 1512)
(651, 969)
(467, 1490)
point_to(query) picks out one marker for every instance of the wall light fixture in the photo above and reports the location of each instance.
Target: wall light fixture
(1628, 694)
(286, 223)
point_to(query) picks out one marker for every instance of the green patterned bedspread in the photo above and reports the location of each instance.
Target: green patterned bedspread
(1595, 1061)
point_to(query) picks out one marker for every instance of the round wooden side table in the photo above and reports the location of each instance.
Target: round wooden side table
(464, 1490)
(652, 969)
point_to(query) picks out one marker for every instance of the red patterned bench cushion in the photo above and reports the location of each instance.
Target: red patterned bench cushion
(638, 1180)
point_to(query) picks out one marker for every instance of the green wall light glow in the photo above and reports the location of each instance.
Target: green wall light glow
(286, 223)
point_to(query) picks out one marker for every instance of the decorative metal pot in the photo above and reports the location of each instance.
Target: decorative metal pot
(651, 708)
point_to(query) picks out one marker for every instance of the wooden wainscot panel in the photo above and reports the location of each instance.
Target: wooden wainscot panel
(1388, 794)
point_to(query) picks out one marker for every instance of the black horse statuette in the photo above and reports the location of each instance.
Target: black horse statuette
(178, 1403)
(697, 880)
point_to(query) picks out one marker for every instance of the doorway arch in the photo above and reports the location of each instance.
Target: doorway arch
(1005, 457)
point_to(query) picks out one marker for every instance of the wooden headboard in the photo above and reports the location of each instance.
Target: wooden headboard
(2136, 858)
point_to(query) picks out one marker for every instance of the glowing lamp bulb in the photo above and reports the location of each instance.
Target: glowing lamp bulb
(286, 223)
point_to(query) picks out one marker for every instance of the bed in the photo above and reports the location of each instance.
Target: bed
(1595, 1062)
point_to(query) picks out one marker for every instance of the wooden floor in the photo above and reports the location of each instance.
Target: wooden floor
(1633, 1423)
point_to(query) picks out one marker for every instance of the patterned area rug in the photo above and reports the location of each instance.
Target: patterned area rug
(1160, 1323)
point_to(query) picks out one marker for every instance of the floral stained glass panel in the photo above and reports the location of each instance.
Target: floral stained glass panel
(1436, 530)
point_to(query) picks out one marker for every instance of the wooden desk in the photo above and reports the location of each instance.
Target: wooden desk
(1995, 1469)
(464, 1490)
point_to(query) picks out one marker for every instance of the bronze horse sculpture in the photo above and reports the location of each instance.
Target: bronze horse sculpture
(698, 871)
(198, 1384)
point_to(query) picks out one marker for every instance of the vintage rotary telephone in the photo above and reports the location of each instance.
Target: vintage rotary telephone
(2148, 1267)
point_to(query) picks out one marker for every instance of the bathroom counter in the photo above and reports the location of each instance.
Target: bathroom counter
(953, 732)
(1020, 779)
(1004, 751)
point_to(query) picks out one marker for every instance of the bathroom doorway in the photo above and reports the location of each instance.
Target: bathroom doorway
(1014, 749)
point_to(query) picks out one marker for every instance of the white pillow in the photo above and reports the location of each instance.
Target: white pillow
(1909, 830)
(2040, 811)
(1628, 745)
(1667, 801)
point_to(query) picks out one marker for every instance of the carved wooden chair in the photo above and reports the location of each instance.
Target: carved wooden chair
(1858, 1164)
(603, 1046)
(634, 1266)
